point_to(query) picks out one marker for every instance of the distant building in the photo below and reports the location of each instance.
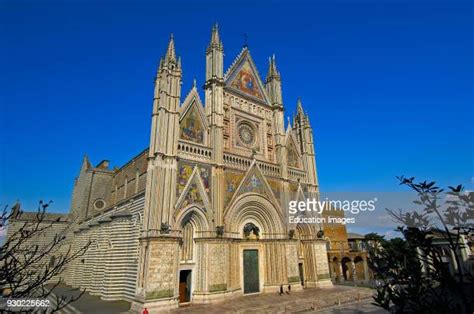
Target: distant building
(201, 214)
(465, 254)
(347, 254)
(357, 242)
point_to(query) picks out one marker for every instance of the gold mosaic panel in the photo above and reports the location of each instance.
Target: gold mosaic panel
(232, 181)
(185, 169)
(246, 81)
(191, 127)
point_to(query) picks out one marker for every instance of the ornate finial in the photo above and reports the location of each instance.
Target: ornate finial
(300, 106)
(272, 70)
(170, 52)
(194, 83)
(215, 39)
(161, 63)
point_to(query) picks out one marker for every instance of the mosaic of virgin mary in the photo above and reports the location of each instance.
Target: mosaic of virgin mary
(246, 81)
(191, 127)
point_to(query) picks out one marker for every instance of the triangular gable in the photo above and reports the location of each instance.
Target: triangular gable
(243, 77)
(194, 192)
(254, 182)
(192, 121)
(300, 196)
(292, 151)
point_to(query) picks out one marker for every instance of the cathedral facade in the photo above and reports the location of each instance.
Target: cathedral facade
(202, 214)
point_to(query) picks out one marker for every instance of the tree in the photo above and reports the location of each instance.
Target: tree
(412, 274)
(35, 254)
(374, 237)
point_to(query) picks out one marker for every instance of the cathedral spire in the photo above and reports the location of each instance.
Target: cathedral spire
(299, 107)
(215, 38)
(300, 115)
(273, 83)
(170, 52)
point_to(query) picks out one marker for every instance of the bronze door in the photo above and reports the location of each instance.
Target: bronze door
(251, 275)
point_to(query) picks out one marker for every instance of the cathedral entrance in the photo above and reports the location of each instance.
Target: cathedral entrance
(251, 274)
(185, 286)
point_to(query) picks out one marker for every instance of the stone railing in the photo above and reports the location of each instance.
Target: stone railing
(243, 163)
(295, 174)
(237, 162)
(194, 151)
(269, 169)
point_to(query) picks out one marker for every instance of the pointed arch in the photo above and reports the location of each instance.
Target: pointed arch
(193, 222)
(192, 213)
(304, 230)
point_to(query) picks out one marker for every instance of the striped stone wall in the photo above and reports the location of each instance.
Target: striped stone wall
(109, 267)
(53, 224)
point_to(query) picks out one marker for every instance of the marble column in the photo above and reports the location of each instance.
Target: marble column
(353, 271)
(341, 272)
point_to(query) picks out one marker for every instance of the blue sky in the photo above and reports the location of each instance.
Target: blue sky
(387, 84)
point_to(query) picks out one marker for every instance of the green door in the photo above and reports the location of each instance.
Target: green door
(251, 281)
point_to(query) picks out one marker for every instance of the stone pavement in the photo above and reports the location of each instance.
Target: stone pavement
(89, 304)
(339, 299)
(306, 301)
(364, 306)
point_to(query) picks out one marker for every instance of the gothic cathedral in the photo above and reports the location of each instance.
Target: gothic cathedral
(202, 214)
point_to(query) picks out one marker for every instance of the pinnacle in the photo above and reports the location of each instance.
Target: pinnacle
(300, 106)
(272, 69)
(170, 52)
(215, 38)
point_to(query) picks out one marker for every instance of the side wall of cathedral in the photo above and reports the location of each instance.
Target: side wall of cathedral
(109, 266)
